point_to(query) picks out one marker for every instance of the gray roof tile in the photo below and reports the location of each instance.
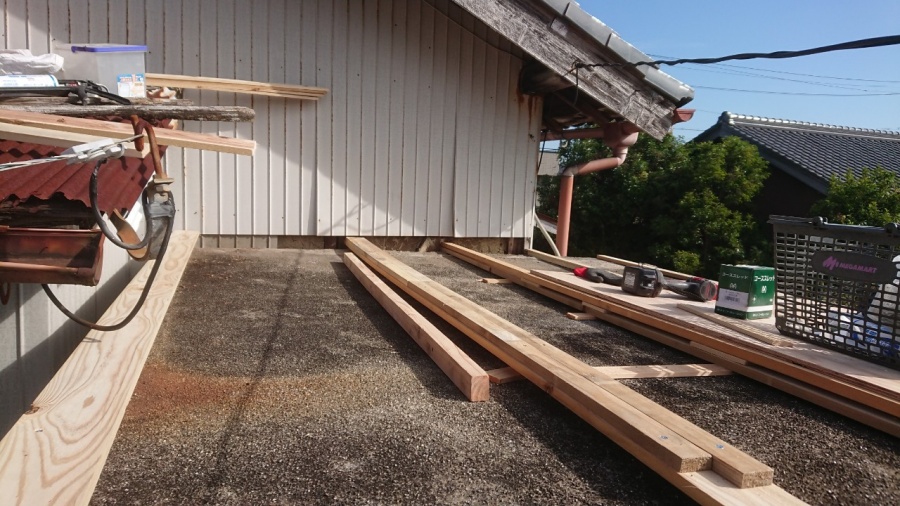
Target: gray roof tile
(819, 149)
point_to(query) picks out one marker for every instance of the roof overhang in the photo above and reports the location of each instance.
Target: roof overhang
(557, 34)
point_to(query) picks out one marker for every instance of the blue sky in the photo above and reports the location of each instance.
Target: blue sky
(713, 28)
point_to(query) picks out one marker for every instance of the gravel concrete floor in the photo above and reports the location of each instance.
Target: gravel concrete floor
(277, 379)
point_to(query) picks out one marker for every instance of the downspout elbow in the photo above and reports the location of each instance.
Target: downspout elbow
(620, 152)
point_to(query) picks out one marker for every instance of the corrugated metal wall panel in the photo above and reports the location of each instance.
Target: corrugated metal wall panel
(420, 134)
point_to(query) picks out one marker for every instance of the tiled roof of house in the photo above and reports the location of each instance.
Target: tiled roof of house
(818, 150)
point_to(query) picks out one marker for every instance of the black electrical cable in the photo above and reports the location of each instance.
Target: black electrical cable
(102, 223)
(170, 222)
(889, 40)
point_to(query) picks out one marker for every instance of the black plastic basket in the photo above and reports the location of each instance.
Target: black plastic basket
(837, 285)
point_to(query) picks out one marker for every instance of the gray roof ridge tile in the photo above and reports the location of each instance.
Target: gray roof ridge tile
(732, 119)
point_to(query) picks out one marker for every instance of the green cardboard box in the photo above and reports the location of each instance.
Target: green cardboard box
(746, 291)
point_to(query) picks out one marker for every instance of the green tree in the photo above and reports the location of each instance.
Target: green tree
(675, 205)
(873, 198)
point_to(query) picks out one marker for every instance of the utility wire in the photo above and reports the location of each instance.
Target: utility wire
(758, 69)
(889, 40)
(801, 94)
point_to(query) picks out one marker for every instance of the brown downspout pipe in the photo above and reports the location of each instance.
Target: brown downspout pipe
(619, 137)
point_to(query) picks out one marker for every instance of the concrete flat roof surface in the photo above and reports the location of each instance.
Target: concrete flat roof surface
(278, 379)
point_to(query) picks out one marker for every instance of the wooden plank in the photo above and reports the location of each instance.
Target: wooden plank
(731, 323)
(664, 371)
(508, 271)
(280, 90)
(811, 393)
(600, 400)
(504, 375)
(553, 259)
(629, 263)
(870, 384)
(115, 130)
(580, 316)
(508, 374)
(468, 376)
(496, 281)
(54, 454)
(62, 139)
(162, 109)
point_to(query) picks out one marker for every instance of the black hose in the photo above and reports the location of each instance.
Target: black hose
(98, 217)
(170, 221)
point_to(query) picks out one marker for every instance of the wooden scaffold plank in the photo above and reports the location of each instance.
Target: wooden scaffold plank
(54, 453)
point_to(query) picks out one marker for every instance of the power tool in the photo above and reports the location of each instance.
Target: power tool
(649, 282)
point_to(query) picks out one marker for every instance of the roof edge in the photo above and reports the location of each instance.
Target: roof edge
(603, 35)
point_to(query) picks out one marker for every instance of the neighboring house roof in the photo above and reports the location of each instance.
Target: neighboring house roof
(812, 152)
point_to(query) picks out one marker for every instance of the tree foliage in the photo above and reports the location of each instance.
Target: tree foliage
(675, 205)
(873, 198)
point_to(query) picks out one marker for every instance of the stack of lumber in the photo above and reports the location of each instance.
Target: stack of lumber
(706, 468)
(279, 90)
(866, 392)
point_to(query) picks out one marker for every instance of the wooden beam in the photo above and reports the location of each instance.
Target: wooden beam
(50, 137)
(508, 271)
(580, 316)
(160, 110)
(504, 375)
(496, 281)
(54, 453)
(553, 259)
(164, 136)
(611, 407)
(736, 325)
(468, 376)
(629, 263)
(280, 90)
(508, 374)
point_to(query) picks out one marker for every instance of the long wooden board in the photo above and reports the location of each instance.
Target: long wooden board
(811, 393)
(54, 453)
(625, 415)
(468, 376)
(507, 374)
(864, 382)
(742, 327)
(114, 130)
(236, 86)
(51, 137)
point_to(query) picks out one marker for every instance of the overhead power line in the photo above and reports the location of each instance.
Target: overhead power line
(889, 40)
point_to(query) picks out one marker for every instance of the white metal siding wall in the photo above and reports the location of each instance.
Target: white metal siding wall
(422, 134)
